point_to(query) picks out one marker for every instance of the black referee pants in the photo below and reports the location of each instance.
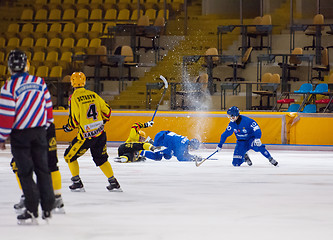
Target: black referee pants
(29, 148)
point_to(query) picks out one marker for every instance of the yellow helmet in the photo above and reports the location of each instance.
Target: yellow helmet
(78, 79)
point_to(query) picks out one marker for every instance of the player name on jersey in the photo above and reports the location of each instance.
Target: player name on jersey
(86, 97)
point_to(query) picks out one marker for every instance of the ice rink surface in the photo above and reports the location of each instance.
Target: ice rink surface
(171, 200)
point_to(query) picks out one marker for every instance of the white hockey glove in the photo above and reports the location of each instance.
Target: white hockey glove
(257, 142)
(197, 158)
(149, 124)
(218, 149)
(149, 140)
(67, 128)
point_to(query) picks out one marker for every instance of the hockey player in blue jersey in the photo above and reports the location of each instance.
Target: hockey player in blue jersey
(176, 145)
(248, 136)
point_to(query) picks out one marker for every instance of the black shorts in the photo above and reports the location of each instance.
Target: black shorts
(97, 146)
(130, 150)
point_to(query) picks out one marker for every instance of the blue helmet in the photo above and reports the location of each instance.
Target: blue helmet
(233, 111)
(194, 143)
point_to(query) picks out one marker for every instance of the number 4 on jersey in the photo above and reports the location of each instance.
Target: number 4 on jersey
(92, 113)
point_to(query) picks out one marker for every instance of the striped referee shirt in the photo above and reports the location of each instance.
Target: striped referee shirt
(25, 102)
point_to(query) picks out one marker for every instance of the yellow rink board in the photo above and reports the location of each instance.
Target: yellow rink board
(277, 127)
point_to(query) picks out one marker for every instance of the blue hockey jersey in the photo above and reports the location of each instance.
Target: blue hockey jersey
(177, 145)
(245, 130)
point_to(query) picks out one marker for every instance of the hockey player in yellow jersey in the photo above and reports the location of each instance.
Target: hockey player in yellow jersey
(135, 144)
(88, 112)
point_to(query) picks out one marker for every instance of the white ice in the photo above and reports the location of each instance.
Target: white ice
(171, 200)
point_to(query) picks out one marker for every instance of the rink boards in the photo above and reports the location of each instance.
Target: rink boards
(277, 127)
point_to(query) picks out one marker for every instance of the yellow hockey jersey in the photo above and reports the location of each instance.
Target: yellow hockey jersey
(88, 112)
(134, 132)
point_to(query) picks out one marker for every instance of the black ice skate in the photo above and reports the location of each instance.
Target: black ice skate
(58, 205)
(46, 215)
(114, 185)
(273, 161)
(20, 207)
(248, 160)
(141, 159)
(77, 185)
(27, 218)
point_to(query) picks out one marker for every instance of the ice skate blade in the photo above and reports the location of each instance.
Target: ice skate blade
(58, 211)
(120, 160)
(78, 190)
(115, 190)
(28, 222)
(159, 149)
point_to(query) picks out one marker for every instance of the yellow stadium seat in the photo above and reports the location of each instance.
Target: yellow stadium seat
(135, 16)
(38, 59)
(65, 60)
(56, 72)
(54, 45)
(12, 30)
(55, 30)
(110, 15)
(81, 31)
(26, 31)
(2, 42)
(69, 15)
(29, 54)
(55, 4)
(3, 74)
(82, 4)
(82, 15)
(81, 45)
(94, 4)
(96, 15)
(32, 70)
(123, 16)
(2, 58)
(151, 13)
(67, 4)
(27, 44)
(42, 71)
(55, 15)
(96, 30)
(39, 4)
(161, 14)
(67, 45)
(27, 15)
(124, 4)
(68, 30)
(12, 44)
(106, 31)
(40, 45)
(51, 59)
(41, 15)
(41, 30)
(93, 45)
(108, 4)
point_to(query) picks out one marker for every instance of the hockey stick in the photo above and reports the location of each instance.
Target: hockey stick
(165, 89)
(199, 163)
